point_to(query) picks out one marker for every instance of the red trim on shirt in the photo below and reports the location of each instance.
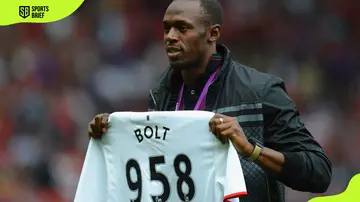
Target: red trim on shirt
(234, 195)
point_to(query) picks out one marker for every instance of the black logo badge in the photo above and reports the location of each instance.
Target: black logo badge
(24, 11)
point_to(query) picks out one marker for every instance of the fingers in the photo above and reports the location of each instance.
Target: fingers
(104, 123)
(217, 120)
(212, 125)
(218, 116)
(94, 129)
(97, 120)
(220, 129)
(228, 133)
(98, 126)
(222, 126)
(90, 131)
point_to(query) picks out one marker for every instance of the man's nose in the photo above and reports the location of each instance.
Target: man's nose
(172, 35)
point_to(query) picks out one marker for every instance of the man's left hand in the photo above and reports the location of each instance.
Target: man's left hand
(225, 128)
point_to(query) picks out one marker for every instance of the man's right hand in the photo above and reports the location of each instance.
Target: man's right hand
(98, 126)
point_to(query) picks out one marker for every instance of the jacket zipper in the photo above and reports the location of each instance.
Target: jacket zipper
(153, 100)
(217, 97)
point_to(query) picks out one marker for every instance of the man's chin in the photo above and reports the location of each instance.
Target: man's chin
(183, 64)
(177, 64)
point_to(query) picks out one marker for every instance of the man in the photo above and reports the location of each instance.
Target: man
(253, 108)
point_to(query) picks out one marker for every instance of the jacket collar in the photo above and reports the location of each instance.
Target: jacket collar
(221, 58)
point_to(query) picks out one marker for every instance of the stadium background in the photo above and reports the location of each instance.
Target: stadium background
(55, 77)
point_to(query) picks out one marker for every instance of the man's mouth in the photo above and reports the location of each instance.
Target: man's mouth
(173, 51)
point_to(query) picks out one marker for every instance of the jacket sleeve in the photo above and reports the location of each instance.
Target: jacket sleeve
(306, 166)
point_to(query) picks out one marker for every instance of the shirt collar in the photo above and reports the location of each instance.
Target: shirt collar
(214, 62)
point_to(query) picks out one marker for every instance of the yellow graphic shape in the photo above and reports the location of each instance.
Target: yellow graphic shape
(351, 193)
(36, 11)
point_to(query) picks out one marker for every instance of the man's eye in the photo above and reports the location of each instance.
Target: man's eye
(183, 28)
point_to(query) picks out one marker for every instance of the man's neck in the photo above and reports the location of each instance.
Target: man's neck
(191, 75)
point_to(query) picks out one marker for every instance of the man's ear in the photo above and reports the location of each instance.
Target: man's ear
(214, 33)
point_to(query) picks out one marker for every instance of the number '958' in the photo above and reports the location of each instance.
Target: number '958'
(183, 177)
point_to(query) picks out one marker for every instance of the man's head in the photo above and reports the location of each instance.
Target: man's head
(191, 29)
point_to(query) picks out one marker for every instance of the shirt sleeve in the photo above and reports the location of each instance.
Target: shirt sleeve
(93, 177)
(234, 187)
(306, 166)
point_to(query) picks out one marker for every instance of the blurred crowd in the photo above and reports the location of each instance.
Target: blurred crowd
(55, 77)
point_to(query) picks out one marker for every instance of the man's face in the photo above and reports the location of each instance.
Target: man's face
(184, 34)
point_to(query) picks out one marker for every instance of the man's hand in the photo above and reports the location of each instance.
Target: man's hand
(98, 126)
(225, 127)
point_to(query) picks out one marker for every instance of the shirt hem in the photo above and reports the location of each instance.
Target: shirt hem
(234, 195)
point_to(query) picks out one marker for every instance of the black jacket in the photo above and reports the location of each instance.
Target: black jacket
(267, 114)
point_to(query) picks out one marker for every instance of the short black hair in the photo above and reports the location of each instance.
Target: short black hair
(212, 11)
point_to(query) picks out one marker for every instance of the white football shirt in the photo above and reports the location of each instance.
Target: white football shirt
(158, 157)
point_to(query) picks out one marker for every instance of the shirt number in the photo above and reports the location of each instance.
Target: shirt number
(183, 177)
